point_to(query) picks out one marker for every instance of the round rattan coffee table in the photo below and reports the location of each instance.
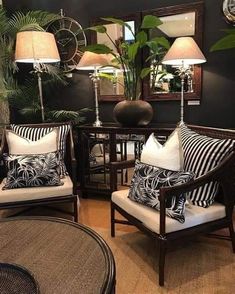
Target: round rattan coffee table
(63, 256)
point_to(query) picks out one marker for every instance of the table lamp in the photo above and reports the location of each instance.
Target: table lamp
(183, 52)
(92, 62)
(37, 47)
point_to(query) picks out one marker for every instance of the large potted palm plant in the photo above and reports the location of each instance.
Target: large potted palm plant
(132, 111)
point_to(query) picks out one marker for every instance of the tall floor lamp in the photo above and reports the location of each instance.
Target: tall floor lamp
(93, 62)
(183, 52)
(38, 48)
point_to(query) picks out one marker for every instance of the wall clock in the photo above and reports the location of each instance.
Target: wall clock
(70, 39)
(229, 10)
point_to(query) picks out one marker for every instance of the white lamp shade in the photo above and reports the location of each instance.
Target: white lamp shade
(36, 46)
(90, 61)
(184, 50)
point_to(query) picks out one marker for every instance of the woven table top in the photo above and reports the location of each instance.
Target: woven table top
(64, 257)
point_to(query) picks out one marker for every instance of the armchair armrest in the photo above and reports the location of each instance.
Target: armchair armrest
(73, 163)
(114, 167)
(224, 173)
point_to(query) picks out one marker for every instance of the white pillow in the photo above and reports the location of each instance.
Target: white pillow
(20, 145)
(168, 156)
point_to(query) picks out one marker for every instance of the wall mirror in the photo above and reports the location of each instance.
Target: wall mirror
(164, 83)
(178, 20)
(111, 79)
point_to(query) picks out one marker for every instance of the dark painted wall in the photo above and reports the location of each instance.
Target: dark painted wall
(218, 98)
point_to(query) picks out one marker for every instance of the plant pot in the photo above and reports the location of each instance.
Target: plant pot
(133, 113)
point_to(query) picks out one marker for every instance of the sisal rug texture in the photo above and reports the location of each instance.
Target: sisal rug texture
(204, 265)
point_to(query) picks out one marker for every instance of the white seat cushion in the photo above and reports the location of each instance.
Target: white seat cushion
(194, 215)
(22, 194)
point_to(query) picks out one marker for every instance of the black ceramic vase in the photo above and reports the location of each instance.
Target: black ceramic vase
(133, 113)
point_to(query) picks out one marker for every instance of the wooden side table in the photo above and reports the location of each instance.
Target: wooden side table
(112, 135)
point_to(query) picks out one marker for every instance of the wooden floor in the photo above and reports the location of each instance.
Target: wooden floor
(96, 213)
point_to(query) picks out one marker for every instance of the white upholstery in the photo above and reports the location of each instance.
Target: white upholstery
(168, 156)
(21, 145)
(194, 215)
(21, 194)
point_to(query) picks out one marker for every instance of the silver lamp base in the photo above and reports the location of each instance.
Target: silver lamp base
(97, 123)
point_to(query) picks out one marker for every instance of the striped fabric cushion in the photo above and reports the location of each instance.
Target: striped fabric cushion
(35, 134)
(202, 154)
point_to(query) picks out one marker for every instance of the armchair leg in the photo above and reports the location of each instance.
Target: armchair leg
(162, 256)
(232, 235)
(75, 209)
(112, 220)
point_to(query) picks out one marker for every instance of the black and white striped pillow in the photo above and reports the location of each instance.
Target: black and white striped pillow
(37, 133)
(202, 154)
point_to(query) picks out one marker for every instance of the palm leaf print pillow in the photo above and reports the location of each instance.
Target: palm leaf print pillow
(32, 170)
(145, 185)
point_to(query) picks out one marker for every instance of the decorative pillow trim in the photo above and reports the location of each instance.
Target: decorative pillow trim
(202, 154)
(145, 185)
(32, 170)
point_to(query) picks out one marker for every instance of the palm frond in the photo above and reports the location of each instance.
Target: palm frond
(67, 115)
(3, 21)
(7, 55)
(19, 22)
(26, 95)
(43, 18)
(55, 75)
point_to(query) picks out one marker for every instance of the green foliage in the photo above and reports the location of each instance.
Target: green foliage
(99, 29)
(227, 42)
(120, 22)
(142, 38)
(99, 49)
(150, 22)
(127, 53)
(76, 117)
(24, 97)
(144, 72)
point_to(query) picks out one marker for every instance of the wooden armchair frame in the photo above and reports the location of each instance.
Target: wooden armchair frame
(224, 173)
(71, 166)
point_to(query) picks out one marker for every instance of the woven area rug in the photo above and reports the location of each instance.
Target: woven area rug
(203, 265)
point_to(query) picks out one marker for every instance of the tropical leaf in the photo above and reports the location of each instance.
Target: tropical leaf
(150, 22)
(43, 18)
(118, 21)
(161, 41)
(227, 42)
(98, 48)
(20, 21)
(67, 115)
(3, 21)
(142, 38)
(132, 50)
(144, 72)
(99, 29)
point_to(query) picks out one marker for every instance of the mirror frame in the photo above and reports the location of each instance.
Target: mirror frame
(198, 8)
(133, 16)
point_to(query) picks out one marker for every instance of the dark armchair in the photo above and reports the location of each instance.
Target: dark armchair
(197, 219)
(38, 196)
